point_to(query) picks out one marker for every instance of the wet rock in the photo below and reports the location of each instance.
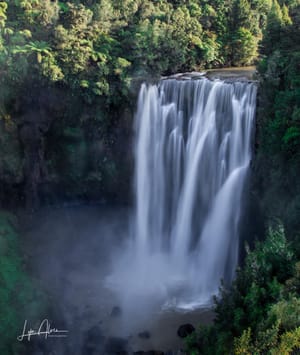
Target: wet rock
(144, 335)
(185, 76)
(116, 312)
(37, 352)
(116, 346)
(185, 329)
(93, 341)
(151, 352)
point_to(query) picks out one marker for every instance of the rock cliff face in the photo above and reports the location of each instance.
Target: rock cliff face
(56, 148)
(11, 172)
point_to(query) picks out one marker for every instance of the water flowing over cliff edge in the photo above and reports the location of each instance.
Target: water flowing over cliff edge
(192, 156)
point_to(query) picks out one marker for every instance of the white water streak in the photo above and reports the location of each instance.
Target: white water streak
(192, 155)
(193, 151)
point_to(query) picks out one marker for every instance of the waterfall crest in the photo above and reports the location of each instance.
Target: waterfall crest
(192, 153)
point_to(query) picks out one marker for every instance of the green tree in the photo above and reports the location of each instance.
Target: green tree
(244, 47)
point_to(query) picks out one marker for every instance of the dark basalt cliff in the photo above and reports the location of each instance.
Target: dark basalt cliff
(57, 148)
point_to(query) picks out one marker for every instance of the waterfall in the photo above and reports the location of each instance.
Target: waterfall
(192, 155)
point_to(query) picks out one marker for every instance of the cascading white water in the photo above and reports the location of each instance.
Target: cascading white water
(193, 150)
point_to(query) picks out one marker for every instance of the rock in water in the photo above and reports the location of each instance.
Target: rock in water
(151, 352)
(116, 312)
(116, 345)
(93, 341)
(144, 335)
(185, 330)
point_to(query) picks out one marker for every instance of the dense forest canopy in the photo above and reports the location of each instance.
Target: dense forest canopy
(67, 94)
(96, 47)
(70, 70)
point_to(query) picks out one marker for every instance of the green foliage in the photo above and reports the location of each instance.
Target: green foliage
(19, 297)
(91, 51)
(278, 334)
(287, 312)
(270, 342)
(244, 46)
(3, 17)
(94, 53)
(260, 313)
(278, 18)
(79, 41)
(278, 162)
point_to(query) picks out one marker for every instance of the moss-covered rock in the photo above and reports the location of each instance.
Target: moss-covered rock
(89, 158)
(10, 152)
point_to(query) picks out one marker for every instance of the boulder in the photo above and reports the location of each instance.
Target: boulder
(114, 345)
(150, 352)
(116, 312)
(185, 329)
(93, 341)
(144, 335)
